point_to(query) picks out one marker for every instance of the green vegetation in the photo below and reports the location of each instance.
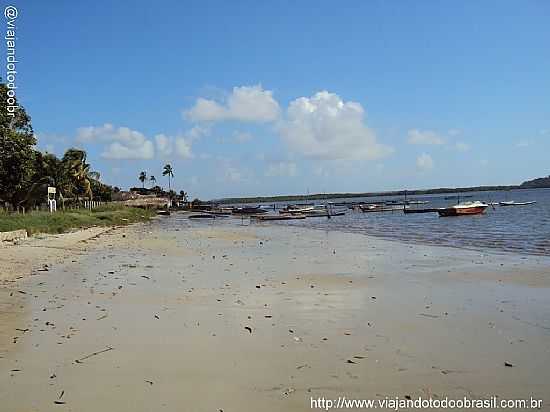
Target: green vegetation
(63, 221)
(324, 196)
(541, 182)
(168, 171)
(25, 173)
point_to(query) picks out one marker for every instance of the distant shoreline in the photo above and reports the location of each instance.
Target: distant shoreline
(324, 196)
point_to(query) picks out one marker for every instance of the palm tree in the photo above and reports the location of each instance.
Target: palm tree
(153, 180)
(183, 195)
(168, 172)
(142, 178)
(78, 172)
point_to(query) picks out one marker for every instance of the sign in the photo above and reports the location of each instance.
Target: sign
(51, 190)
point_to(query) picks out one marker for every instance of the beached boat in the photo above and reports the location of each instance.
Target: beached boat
(248, 210)
(163, 212)
(202, 216)
(277, 217)
(512, 203)
(462, 209)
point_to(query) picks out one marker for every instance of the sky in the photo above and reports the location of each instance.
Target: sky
(279, 97)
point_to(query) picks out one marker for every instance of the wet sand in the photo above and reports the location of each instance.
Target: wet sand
(211, 317)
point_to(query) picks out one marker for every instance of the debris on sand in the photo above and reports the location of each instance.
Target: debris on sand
(508, 364)
(248, 328)
(93, 354)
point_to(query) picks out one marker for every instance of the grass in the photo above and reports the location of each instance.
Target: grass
(63, 221)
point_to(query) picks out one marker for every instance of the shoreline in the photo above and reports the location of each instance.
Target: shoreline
(174, 304)
(22, 255)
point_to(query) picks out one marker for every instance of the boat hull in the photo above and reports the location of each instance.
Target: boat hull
(465, 211)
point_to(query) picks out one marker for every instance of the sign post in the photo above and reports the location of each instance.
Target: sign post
(51, 201)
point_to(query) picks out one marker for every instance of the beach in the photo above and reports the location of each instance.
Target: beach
(225, 317)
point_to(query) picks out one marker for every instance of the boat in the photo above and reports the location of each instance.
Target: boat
(512, 203)
(248, 210)
(163, 212)
(323, 213)
(202, 216)
(277, 217)
(428, 210)
(296, 209)
(467, 208)
(377, 208)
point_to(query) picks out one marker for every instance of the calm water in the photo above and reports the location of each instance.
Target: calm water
(520, 229)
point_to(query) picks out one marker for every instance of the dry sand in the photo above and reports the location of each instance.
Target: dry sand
(210, 317)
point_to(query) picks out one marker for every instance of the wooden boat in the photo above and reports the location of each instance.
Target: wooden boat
(248, 210)
(376, 208)
(323, 213)
(512, 203)
(296, 210)
(277, 217)
(428, 210)
(462, 209)
(202, 216)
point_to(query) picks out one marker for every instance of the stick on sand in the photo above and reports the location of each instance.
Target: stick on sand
(93, 354)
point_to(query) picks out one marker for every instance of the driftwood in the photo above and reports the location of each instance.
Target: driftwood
(93, 354)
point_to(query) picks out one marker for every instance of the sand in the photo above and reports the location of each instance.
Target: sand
(203, 316)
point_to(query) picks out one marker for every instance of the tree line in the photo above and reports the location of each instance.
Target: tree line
(25, 172)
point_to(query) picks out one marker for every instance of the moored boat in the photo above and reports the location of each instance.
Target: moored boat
(428, 210)
(512, 203)
(278, 217)
(462, 209)
(248, 210)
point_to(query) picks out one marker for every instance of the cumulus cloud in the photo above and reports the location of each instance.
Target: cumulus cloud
(246, 103)
(183, 148)
(424, 162)
(124, 142)
(286, 169)
(424, 137)
(325, 127)
(164, 145)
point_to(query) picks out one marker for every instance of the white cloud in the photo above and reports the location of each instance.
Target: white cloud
(325, 127)
(427, 137)
(125, 143)
(462, 147)
(117, 150)
(287, 169)
(246, 103)
(183, 148)
(424, 162)
(453, 132)
(164, 145)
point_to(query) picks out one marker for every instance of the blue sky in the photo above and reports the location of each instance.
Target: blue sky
(259, 98)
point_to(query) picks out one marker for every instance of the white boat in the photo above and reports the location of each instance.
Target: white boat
(512, 203)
